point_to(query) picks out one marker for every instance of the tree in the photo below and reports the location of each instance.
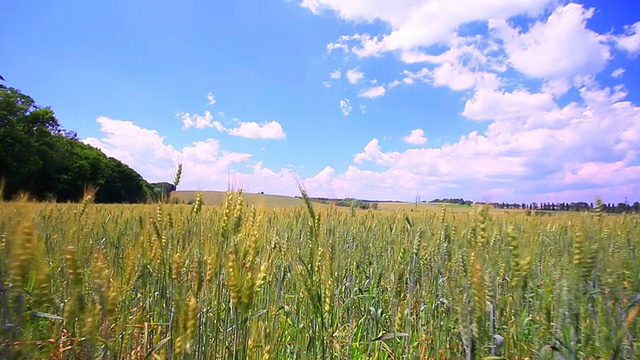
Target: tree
(161, 191)
(26, 131)
(38, 157)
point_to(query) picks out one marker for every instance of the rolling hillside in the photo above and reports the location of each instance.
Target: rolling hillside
(279, 201)
(261, 200)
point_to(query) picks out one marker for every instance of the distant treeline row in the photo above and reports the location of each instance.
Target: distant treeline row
(349, 202)
(460, 201)
(619, 208)
(561, 206)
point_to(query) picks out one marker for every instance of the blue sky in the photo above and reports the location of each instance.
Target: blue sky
(527, 100)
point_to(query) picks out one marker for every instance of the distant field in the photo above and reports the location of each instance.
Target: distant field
(394, 206)
(279, 201)
(258, 200)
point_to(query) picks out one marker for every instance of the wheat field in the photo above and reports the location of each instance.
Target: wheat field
(88, 281)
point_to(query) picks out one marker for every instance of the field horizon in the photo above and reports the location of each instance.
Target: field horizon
(211, 197)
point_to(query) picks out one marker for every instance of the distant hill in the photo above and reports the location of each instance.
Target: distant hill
(261, 200)
(279, 201)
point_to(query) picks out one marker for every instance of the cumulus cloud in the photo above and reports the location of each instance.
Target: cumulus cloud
(491, 104)
(454, 76)
(207, 166)
(530, 142)
(345, 107)
(556, 46)
(415, 24)
(561, 46)
(253, 130)
(373, 152)
(147, 152)
(250, 130)
(544, 148)
(540, 136)
(416, 137)
(586, 145)
(574, 152)
(373, 92)
(354, 75)
(556, 87)
(200, 121)
(630, 40)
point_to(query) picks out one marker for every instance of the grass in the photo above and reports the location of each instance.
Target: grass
(235, 281)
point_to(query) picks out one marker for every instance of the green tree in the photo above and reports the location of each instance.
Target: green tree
(26, 131)
(37, 156)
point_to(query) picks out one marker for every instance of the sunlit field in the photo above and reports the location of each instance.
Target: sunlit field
(87, 281)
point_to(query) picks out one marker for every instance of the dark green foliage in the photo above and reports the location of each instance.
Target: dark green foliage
(161, 191)
(460, 201)
(40, 158)
(349, 202)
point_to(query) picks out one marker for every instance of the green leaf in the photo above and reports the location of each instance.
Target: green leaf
(48, 316)
(390, 335)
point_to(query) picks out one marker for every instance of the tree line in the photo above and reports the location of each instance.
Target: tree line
(349, 202)
(582, 206)
(611, 208)
(48, 163)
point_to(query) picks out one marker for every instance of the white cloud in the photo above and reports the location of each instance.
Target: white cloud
(416, 137)
(250, 130)
(617, 73)
(531, 142)
(561, 46)
(354, 75)
(422, 75)
(335, 75)
(584, 149)
(593, 95)
(373, 152)
(490, 104)
(455, 76)
(373, 92)
(556, 87)
(200, 121)
(146, 151)
(326, 84)
(211, 99)
(393, 84)
(630, 41)
(416, 23)
(587, 145)
(253, 130)
(333, 46)
(363, 108)
(345, 107)
(322, 182)
(126, 141)
(206, 165)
